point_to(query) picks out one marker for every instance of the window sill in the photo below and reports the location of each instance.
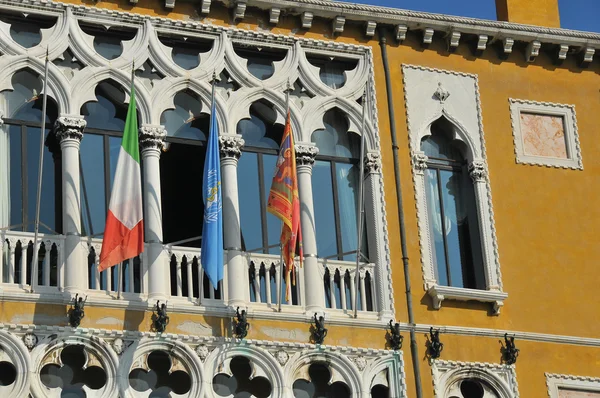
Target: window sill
(441, 293)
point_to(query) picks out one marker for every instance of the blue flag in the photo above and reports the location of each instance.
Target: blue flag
(212, 228)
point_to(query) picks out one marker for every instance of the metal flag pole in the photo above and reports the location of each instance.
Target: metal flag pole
(359, 207)
(120, 265)
(34, 265)
(281, 264)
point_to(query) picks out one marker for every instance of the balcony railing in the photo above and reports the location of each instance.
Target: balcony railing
(185, 280)
(16, 261)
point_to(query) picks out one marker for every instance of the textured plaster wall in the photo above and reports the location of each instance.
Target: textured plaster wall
(533, 12)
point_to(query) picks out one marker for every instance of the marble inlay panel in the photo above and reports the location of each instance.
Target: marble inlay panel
(543, 135)
(577, 394)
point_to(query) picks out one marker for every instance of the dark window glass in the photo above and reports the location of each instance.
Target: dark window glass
(452, 213)
(182, 170)
(26, 30)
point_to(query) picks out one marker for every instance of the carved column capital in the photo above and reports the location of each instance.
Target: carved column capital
(152, 137)
(231, 146)
(372, 163)
(69, 127)
(419, 162)
(478, 171)
(306, 154)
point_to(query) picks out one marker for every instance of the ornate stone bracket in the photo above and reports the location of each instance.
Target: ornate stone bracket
(69, 127)
(306, 154)
(152, 137)
(372, 163)
(478, 171)
(419, 163)
(441, 94)
(231, 146)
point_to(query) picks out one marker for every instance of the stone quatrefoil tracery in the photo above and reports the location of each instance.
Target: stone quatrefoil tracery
(320, 384)
(163, 376)
(72, 371)
(241, 382)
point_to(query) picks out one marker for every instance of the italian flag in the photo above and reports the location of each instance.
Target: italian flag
(124, 231)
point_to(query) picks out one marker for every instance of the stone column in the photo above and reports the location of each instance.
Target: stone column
(69, 132)
(237, 269)
(313, 272)
(374, 225)
(151, 141)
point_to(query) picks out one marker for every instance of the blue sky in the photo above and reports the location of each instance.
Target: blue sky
(575, 14)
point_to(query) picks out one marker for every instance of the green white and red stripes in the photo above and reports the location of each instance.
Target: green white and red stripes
(124, 231)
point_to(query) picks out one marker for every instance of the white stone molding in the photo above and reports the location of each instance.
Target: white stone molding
(355, 79)
(341, 368)
(97, 352)
(573, 159)
(262, 363)
(274, 14)
(58, 85)
(582, 384)
(205, 6)
(456, 98)
(482, 42)
(428, 36)
(338, 24)
(14, 351)
(507, 44)
(400, 32)
(239, 9)
(388, 371)
(453, 40)
(447, 375)
(307, 19)
(182, 358)
(370, 27)
(532, 50)
(588, 55)
(563, 50)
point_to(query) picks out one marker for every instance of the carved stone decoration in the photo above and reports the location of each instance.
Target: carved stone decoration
(30, 340)
(400, 32)
(307, 19)
(119, 346)
(441, 94)
(282, 357)
(231, 146)
(372, 163)
(361, 362)
(420, 162)
(305, 155)
(202, 351)
(152, 137)
(274, 14)
(507, 45)
(478, 171)
(67, 127)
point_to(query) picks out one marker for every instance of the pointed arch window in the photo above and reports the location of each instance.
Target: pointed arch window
(19, 157)
(452, 211)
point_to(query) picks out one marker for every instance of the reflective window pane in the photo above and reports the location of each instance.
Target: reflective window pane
(435, 225)
(335, 140)
(26, 34)
(186, 121)
(93, 196)
(455, 215)
(250, 207)
(273, 223)
(47, 203)
(15, 176)
(324, 211)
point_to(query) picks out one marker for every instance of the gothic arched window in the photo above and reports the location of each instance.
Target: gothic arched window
(19, 157)
(452, 211)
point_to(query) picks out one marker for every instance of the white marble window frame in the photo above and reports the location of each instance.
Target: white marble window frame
(461, 105)
(502, 378)
(567, 113)
(556, 382)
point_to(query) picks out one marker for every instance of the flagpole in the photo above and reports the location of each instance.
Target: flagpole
(359, 207)
(34, 265)
(287, 110)
(212, 104)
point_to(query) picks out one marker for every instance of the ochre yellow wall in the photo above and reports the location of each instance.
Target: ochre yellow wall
(531, 12)
(547, 219)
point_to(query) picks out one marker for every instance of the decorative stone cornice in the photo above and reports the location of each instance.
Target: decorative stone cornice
(69, 127)
(478, 171)
(152, 137)
(305, 155)
(372, 163)
(231, 146)
(420, 162)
